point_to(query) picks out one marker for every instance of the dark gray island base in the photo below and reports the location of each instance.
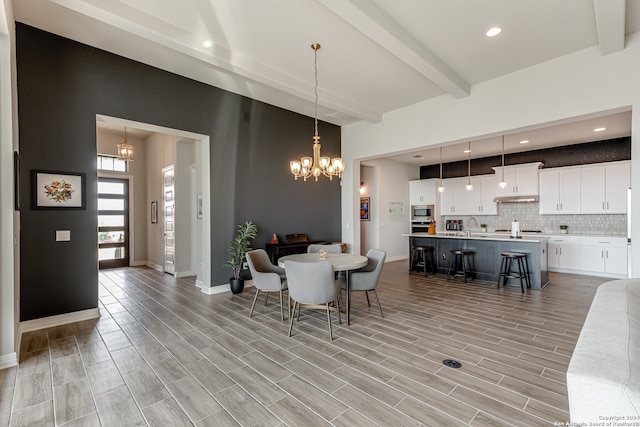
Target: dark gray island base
(486, 258)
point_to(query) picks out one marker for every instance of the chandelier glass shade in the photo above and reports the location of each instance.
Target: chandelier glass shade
(306, 167)
(125, 150)
(503, 183)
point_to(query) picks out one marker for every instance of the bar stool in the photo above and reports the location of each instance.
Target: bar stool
(421, 257)
(507, 273)
(461, 260)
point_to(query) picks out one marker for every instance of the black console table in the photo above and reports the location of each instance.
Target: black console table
(277, 250)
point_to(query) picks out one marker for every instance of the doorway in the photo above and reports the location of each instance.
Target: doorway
(168, 197)
(113, 223)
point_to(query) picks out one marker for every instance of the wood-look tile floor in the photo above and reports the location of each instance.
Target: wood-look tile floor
(163, 353)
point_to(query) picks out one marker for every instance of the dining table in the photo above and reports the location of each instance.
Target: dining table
(339, 261)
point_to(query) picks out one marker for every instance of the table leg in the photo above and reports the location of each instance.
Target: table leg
(348, 291)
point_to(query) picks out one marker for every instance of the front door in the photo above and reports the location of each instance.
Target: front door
(169, 222)
(113, 222)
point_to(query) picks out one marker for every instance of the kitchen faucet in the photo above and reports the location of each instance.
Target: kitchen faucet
(469, 229)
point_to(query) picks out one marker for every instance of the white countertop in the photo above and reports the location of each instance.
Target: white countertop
(533, 238)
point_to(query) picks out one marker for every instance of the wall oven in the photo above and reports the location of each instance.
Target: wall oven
(422, 213)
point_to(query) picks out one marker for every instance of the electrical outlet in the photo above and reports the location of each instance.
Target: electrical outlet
(245, 265)
(444, 256)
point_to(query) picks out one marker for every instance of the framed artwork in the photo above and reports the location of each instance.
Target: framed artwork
(364, 209)
(154, 212)
(199, 206)
(58, 190)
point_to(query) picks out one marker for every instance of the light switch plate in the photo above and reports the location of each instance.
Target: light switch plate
(63, 235)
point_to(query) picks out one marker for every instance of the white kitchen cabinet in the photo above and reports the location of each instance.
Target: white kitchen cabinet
(422, 192)
(480, 200)
(564, 253)
(522, 180)
(560, 191)
(604, 255)
(603, 188)
(453, 201)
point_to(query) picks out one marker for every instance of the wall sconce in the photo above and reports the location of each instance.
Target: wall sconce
(362, 189)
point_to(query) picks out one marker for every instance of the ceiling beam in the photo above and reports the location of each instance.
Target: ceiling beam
(610, 21)
(376, 24)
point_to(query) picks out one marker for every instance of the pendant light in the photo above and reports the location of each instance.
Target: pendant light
(317, 165)
(441, 188)
(125, 150)
(503, 183)
(469, 187)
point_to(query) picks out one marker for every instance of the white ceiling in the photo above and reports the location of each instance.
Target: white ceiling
(376, 56)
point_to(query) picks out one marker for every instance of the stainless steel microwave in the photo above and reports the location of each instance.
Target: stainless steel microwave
(422, 213)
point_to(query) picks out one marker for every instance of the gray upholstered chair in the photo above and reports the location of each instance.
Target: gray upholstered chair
(266, 277)
(312, 285)
(333, 249)
(366, 278)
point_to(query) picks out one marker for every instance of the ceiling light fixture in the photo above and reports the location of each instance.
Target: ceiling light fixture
(125, 150)
(441, 188)
(524, 141)
(599, 129)
(494, 31)
(469, 187)
(503, 183)
(207, 43)
(307, 167)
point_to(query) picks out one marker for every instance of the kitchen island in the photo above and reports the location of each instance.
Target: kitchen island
(487, 249)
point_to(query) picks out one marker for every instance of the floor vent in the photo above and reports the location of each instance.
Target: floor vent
(451, 363)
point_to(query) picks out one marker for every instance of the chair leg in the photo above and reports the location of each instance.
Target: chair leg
(367, 295)
(337, 303)
(378, 302)
(266, 299)
(255, 298)
(281, 307)
(329, 321)
(292, 316)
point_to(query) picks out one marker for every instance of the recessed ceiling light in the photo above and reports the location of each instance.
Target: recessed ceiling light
(207, 43)
(494, 31)
(466, 151)
(599, 129)
(524, 141)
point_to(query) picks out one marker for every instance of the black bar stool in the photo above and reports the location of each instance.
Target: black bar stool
(506, 271)
(460, 264)
(422, 257)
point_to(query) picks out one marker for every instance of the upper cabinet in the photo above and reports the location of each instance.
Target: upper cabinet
(522, 180)
(603, 188)
(456, 200)
(422, 192)
(560, 191)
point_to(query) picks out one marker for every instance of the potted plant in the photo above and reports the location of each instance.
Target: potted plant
(564, 229)
(483, 228)
(238, 247)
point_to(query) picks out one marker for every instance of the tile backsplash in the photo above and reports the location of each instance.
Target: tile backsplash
(530, 219)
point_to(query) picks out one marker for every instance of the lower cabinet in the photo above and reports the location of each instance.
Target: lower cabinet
(564, 253)
(604, 255)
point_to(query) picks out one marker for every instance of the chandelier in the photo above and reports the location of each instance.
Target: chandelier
(317, 165)
(125, 150)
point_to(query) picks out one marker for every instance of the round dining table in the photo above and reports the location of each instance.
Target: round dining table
(340, 262)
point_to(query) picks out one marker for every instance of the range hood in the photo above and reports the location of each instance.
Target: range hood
(515, 199)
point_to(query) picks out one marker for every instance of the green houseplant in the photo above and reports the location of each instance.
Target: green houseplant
(564, 229)
(237, 249)
(483, 228)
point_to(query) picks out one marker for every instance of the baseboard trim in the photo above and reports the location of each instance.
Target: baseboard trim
(154, 266)
(137, 263)
(59, 319)
(397, 258)
(214, 290)
(8, 360)
(180, 274)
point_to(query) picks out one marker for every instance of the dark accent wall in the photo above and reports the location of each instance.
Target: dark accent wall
(63, 84)
(610, 150)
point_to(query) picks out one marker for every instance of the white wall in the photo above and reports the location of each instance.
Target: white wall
(9, 219)
(575, 86)
(390, 189)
